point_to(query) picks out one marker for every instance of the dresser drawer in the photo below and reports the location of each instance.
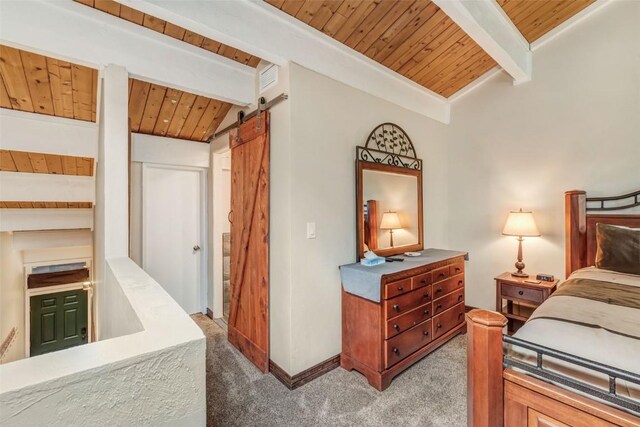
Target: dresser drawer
(448, 301)
(456, 268)
(440, 274)
(396, 288)
(408, 320)
(443, 288)
(406, 302)
(442, 323)
(421, 280)
(520, 292)
(403, 345)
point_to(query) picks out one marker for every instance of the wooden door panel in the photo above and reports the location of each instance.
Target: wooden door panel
(58, 321)
(249, 307)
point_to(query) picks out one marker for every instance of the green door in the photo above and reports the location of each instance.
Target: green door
(58, 321)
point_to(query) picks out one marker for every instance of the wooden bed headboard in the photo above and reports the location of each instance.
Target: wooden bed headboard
(580, 223)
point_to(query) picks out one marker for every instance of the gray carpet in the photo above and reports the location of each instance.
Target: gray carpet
(431, 393)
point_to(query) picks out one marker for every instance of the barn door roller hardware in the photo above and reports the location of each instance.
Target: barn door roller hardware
(263, 105)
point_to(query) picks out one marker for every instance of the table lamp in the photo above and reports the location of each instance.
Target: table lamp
(520, 224)
(390, 221)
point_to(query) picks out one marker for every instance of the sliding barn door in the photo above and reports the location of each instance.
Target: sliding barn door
(249, 309)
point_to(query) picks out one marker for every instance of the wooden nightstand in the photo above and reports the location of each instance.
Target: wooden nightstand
(521, 298)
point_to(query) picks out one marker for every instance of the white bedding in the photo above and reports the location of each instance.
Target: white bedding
(593, 343)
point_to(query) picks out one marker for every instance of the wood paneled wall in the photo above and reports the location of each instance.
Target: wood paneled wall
(39, 84)
(125, 12)
(161, 111)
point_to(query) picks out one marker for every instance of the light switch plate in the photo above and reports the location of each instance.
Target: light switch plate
(311, 230)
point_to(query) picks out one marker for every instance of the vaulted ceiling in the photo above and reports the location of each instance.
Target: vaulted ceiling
(39, 84)
(125, 12)
(417, 39)
(162, 111)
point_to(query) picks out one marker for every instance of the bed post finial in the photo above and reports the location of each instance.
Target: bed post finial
(484, 368)
(575, 206)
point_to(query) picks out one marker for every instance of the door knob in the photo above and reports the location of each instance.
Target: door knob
(196, 248)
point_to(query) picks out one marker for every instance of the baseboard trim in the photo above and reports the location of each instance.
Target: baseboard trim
(468, 308)
(209, 313)
(308, 375)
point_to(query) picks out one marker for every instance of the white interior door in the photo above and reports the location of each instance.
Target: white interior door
(172, 232)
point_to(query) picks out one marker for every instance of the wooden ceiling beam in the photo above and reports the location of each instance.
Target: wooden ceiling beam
(487, 24)
(52, 28)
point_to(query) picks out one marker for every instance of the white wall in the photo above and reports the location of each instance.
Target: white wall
(575, 126)
(328, 120)
(220, 196)
(11, 297)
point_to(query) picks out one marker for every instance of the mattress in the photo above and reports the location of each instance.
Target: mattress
(588, 329)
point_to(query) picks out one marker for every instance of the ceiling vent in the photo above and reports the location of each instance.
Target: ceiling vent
(268, 77)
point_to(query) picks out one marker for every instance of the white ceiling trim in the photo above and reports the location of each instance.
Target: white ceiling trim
(264, 31)
(38, 133)
(86, 36)
(494, 32)
(45, 219)
(45, 187)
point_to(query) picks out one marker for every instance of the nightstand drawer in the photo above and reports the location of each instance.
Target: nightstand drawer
(522, 293)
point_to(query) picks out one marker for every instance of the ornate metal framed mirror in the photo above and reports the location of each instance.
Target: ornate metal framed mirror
(388, 193)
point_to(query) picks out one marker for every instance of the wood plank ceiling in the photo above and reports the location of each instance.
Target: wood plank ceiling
(536, 18)
(416, 39)
(162, 111)
(413, 38)
(39, 84)
(125, 12)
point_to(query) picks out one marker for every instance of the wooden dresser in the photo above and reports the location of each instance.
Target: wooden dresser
(421, 307)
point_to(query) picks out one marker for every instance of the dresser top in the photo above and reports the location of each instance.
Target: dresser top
(365, 281)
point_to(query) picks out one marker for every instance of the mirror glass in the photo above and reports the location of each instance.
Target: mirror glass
(390, 215)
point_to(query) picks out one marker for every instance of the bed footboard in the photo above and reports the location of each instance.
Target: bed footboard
(498, 397)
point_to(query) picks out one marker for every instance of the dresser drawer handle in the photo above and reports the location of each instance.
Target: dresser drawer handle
(396, 307)
(396, 351)
(439, 307)
(520, 292)
(460, 282)
(438, 290)
(460, 314)
(425, 333)
(457, 269)
(441, 275)
(426, 312)
(424, 281)
(396, 327)
(439, 325)
(400, 288)
(459, 297)
(426, 295)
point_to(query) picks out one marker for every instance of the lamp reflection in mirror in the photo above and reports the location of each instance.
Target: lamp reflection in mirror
(520, 224)
(390, 221)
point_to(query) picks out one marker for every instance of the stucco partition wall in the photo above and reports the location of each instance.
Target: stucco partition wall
(153, 376)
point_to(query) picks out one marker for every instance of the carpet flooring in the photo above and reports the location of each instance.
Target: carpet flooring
(431, 393)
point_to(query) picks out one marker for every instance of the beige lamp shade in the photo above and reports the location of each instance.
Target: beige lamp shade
(520, 223)
(390, 221)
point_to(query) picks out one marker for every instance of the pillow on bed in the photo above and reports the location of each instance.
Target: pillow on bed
(618, 248)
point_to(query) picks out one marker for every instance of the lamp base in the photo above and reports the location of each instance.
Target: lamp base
(519, 274)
